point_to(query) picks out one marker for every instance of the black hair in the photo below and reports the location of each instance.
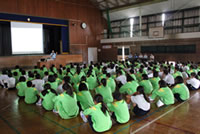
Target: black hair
(165, 71)
(99, 99)
(193, 74)
(23, 72)
(132, 71)
(145, 77)
(46, 73)
(51, 78)
(37, 76)
(15, 73)
(22, 79)
(30, 74)
(66, 79)
(155, 74)
(47, 87)
(162, 83)
(140, 90)
(83, 87)
(29, 84)
(108, 75)
(9, 74)
(178, 80)
(17, 67)
(117, 96)
(104, 82)
(4, 71)
(83, 78)
(68, 89)
(129, 78)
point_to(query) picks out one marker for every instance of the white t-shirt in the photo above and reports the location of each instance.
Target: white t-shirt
(122, 79)
(141, 102)
(45, 78)
(38, 84)
(3, 78)
(60, 89)
(169, 79)
(194, 82)
(10, 82)
(185, 75)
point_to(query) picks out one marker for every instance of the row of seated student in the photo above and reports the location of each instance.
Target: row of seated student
(104, 93)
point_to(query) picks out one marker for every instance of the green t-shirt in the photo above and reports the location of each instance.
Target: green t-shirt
(129, 88)
(106, 93)
(101, 122)
(155, 83)
(120, 108)
(54, 85)
(139, 76)
(47, 102)
(177, 74)
(111, 83)
(92, 82)
(182, 90)
(148, 88)
(76, 78)
(31, 95)
(85, 99)
(66, 106)
(133, 76)
(21, 87)
(165, 94)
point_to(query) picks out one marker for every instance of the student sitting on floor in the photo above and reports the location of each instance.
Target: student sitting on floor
(168, 78)
(84, 97)
(130, 87)
(180, 90)
(10, 82)
(47, 96)
(66, 79)
(121, 79)
(91, 80)
(65, 104)
(52, 82)
(105, 91)
(3, 77)
(155, 81)
(21, 87)
(31, 93)
(111, 82)
(192, 82)
(140, 102)
(148, 88)
(38, 82)
(119, 108)
(165, 95)
(46, 75)
(98, 115)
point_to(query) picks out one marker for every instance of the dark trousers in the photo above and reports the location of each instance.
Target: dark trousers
(177, 96)
(190, 87)
(139, 112)
(113, 116)
(90, 122)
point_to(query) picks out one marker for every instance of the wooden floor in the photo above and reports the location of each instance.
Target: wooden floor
(16, 117)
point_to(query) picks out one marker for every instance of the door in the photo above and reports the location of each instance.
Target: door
(92, 54)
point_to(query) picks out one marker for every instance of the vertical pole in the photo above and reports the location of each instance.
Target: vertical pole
(123, 53)
(109, 24)
(140, 13)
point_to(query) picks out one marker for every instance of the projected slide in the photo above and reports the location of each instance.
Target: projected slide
(27, 38)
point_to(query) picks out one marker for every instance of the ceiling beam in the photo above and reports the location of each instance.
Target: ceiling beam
(134, 4)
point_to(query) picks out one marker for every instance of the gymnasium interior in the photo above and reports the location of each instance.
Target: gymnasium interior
(105, 39)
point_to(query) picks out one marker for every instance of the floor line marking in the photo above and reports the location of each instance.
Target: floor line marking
(12, 127)
(77, 125)
(53, 121)
(138, 120)
(142, 127)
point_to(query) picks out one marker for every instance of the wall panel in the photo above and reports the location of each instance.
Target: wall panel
(76, 11)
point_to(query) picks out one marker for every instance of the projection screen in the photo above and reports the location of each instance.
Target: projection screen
(27, 38)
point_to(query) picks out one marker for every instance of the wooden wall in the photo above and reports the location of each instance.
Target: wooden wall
(76, 11)
(161, 56)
